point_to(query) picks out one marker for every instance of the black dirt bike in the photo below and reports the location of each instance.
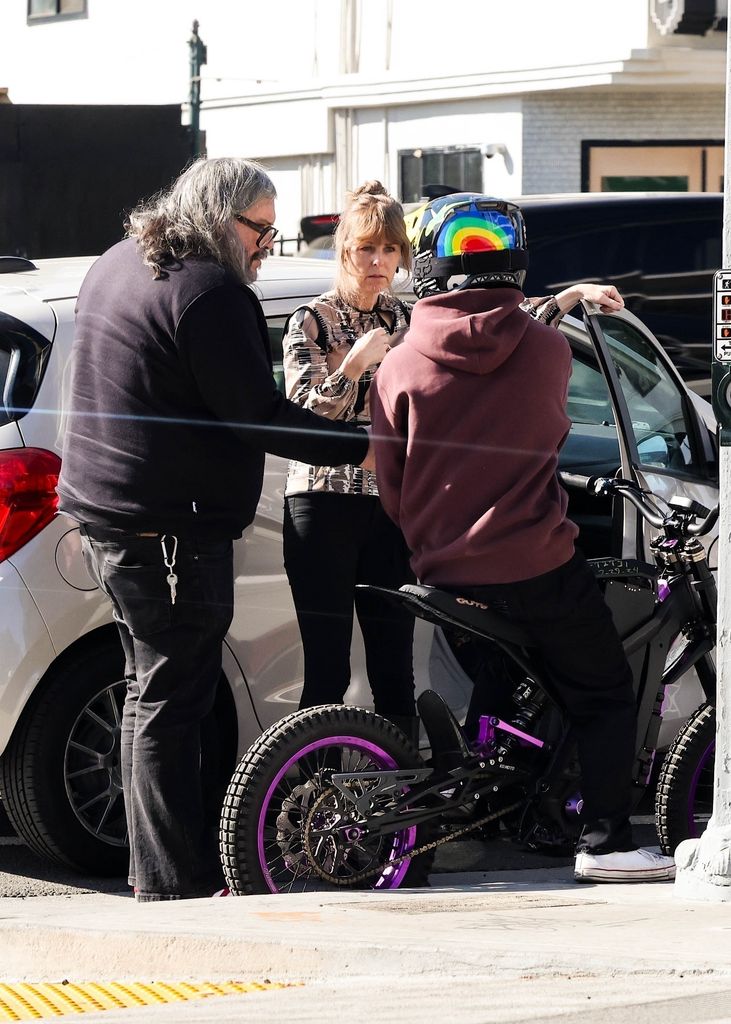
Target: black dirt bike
(337, 796)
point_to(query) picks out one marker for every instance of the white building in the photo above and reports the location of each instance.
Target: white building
(509, 98)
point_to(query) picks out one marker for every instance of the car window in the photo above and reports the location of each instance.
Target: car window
(558, 258)
(660, 254)
(701, 248)
(658, 411)
(592, 446)
(275, 326)
(588, 399)
(23, 357)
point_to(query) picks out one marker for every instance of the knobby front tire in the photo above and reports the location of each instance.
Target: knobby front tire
(284, 776)
(684, 796)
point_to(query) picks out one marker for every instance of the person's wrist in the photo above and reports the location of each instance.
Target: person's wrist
(351, 367)
(567, 299)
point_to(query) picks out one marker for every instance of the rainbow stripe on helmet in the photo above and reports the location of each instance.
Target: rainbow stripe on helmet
(474, 230)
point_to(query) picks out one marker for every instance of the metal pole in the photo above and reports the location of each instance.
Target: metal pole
(198, 57)
(704, 865)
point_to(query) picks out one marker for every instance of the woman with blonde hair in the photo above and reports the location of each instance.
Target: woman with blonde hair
(336, 533)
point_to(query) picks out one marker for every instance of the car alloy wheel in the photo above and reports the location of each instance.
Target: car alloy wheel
(92, 766)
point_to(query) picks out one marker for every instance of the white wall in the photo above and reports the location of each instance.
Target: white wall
(495, 35)
(371, 141)
(135, 51)
(291, 127)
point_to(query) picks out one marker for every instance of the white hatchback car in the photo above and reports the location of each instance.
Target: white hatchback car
(60, 658)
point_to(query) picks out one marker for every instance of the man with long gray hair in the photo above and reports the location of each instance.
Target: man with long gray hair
(172, 407)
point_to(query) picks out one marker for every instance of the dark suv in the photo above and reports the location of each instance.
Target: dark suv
(660, 250)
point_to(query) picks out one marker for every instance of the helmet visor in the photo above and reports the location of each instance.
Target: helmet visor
(479, 225)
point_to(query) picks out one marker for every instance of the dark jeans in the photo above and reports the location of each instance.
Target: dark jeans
(173, 665)
(574, 633)
(331, 542)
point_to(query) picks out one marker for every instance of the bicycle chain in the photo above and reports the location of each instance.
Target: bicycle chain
(362, 876)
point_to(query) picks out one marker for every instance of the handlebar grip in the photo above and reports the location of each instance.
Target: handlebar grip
(577, 480)
(705, 526)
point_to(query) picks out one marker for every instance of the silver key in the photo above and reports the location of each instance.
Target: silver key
(169, 560)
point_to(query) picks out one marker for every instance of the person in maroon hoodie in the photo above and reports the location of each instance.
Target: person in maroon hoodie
(469, 416)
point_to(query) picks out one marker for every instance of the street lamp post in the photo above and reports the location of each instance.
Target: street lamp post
(704, 865)
(198, 57)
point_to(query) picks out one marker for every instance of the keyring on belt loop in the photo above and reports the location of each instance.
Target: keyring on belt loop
(169, 562)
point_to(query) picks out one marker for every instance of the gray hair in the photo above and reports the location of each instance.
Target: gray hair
(194, 217)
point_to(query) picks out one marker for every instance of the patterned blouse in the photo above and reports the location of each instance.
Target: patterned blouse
(313, 379)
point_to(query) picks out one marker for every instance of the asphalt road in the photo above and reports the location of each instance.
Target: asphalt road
(25, 874)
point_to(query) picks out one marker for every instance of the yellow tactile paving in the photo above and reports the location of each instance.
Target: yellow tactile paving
(46, 1000)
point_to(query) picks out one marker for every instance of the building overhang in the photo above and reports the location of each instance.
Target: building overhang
(671, 67)
(660, 68)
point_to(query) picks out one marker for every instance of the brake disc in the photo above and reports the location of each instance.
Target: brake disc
(290, 822)
(329, 834)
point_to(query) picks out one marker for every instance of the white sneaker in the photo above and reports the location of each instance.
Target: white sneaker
(623, 866)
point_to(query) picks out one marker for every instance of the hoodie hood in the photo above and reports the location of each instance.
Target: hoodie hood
(474, 330)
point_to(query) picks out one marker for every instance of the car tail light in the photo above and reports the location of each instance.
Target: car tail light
(28, 499)
(318, 225)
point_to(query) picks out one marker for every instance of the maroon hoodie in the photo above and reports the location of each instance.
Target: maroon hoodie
(469, 414)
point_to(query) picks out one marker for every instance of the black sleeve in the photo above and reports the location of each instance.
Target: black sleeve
(220, 339)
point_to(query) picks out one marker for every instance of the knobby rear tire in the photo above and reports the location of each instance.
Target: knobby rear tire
(251, 802)
(684, 795)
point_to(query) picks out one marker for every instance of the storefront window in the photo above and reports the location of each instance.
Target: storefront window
(45, 10)
(459, 168)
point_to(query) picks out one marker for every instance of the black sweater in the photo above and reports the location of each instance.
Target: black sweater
(172, 402)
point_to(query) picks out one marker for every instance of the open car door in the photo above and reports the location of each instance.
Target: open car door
(666, 433)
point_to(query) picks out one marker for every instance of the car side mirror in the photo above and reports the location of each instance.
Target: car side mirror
(654, 451)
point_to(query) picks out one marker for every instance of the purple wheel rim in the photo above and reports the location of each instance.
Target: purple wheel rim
(403, 841)
(703, 764)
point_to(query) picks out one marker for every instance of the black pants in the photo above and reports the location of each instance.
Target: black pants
(173, 665)
(331, 542)
(573, 631)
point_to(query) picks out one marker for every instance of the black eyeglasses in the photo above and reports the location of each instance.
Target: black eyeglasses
(266, 232)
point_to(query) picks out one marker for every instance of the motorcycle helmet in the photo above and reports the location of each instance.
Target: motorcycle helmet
(478, 238)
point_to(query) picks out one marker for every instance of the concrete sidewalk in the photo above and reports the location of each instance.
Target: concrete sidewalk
(518, 942)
